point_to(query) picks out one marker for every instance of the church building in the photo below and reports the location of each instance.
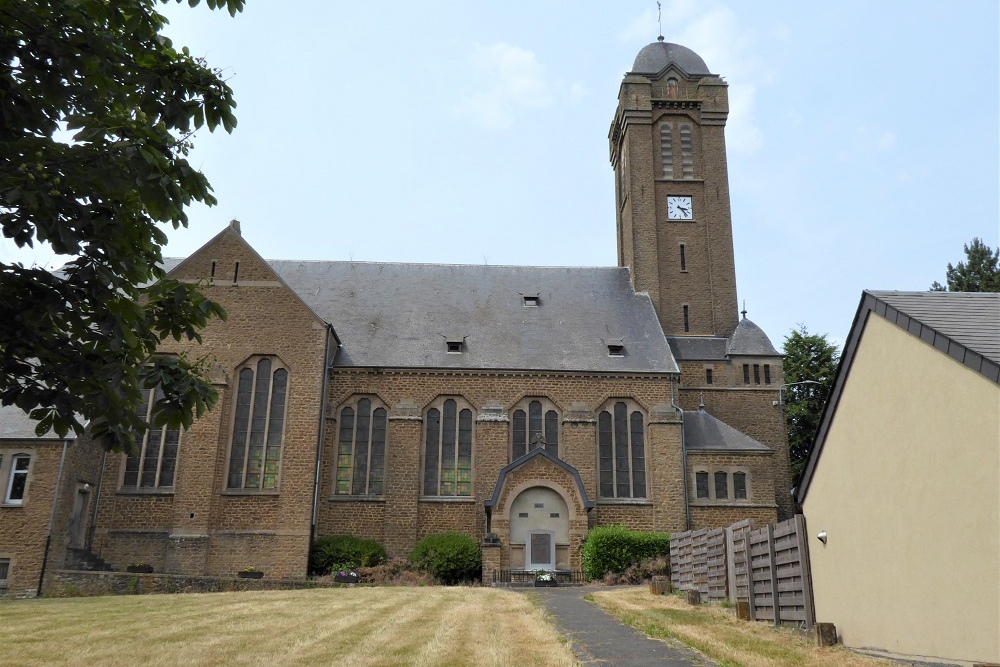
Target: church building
(520, 405)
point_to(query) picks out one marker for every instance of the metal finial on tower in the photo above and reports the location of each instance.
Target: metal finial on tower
(701, 402)
(744, 311)
(659, 20)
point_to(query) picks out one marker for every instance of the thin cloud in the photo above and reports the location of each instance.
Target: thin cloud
(517, 82)
(714, 32)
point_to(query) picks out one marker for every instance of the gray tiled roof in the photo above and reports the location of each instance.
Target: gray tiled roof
(400, 315)
(16, 425)
(750, 340)
(697, 348)
(971, 319)
(702, 431)
(654, 57)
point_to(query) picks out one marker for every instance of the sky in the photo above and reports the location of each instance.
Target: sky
(862, 136)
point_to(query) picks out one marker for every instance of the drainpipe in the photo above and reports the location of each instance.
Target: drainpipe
(319, 440)
(684, 460)
(52, 519)
(89, 545)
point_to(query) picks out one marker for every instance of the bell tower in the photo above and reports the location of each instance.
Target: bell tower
(668, 151)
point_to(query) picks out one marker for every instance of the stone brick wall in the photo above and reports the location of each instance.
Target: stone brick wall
(649, 242)
(406, 394)
(23, 528)
(759, 504)
(73, 583)
(199, 526)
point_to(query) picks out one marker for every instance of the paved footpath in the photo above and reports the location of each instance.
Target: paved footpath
(601, 640)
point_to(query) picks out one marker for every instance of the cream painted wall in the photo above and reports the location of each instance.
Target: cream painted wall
(908, 490)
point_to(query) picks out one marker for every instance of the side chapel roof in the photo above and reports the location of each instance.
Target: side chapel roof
(703, 432)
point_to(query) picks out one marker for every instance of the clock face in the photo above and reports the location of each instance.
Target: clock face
(679, 208)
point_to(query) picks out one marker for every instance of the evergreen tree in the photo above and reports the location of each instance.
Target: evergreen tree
(808, 357)
(97, 109)
(979, 273)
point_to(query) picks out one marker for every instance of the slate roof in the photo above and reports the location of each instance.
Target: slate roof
(963, 325)
(395, 315)
(654, 57)
(703, 432)
(750, 340)
(16, 425)
(697, 348)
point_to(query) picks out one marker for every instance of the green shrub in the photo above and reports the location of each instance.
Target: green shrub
(451, 557)
(344, 552)
(616, 548)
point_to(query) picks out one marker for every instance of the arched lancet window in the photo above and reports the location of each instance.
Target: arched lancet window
(534, 423)
(258, 427)
(667, 150)
(155, 462)
(672, 88)
(621, 444)
(361, 449)
(448, 449)
(687, 152)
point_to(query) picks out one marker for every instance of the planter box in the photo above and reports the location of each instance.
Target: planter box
(140, 569)
(345, 578)
(546, 584)
(250, 575)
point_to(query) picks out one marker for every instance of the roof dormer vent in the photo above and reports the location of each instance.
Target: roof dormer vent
(456, 344)
(616, 349)
(532, 300)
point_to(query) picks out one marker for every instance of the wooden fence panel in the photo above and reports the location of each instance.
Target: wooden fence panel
(716, 570)
(680, 561)
(738, 559)
(768, 566)
(699, 564)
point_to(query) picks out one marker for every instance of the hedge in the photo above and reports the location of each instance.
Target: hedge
(450, 557)
(344, 552)
(615, 548)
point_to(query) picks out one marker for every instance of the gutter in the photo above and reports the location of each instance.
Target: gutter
(684, 460)
(52, 518)
(330, 334)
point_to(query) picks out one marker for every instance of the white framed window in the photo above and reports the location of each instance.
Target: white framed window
(4, 571)
(361, 448)
(621, 451)
(448, 449)
(258, 425)
(17, 479)
(534, 423)
(155, 463)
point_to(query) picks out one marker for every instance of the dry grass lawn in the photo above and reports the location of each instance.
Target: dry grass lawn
(343, 627)
(716, 633)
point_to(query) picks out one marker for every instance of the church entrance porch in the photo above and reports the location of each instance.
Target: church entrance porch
(536, 521)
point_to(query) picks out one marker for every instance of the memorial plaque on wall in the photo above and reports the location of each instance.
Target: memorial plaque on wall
(541, 549)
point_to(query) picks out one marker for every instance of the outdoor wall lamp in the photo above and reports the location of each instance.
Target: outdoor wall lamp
(822, 536)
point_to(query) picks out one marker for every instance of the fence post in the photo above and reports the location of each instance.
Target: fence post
(805, 566)
(774, 574)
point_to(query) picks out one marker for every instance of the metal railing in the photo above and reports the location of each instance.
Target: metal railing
(527, 577)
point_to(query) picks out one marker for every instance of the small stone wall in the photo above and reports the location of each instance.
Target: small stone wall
(73, 583)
